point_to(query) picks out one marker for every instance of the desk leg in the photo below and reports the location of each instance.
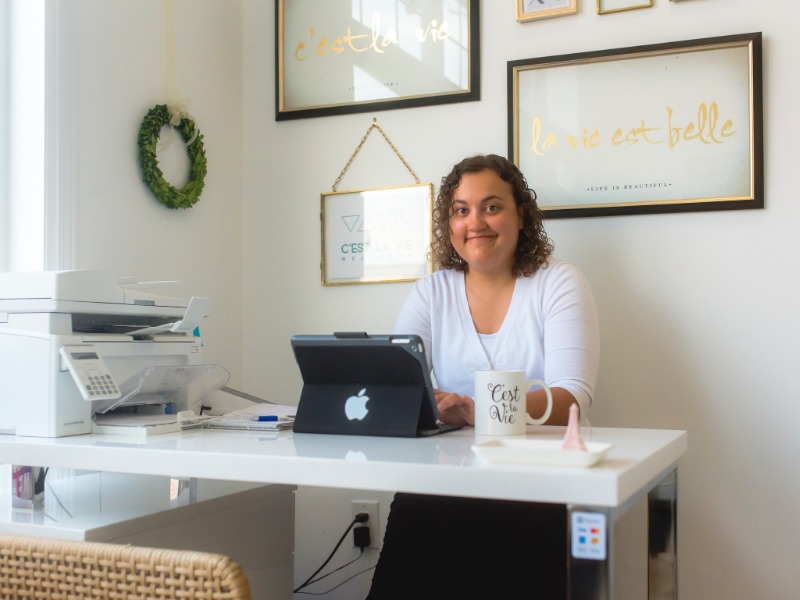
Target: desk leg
(662, 504)
(182, 491)
(589, 549)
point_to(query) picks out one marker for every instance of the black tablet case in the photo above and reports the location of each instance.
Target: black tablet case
(393, 371)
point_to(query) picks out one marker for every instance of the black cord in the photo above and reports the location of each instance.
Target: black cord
(341, 583)
(330, 556)
(321, 577)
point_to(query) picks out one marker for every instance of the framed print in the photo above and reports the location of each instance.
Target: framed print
(612, 6)
(661, 128)
(340, 57)
(528, 10)
(376, 235)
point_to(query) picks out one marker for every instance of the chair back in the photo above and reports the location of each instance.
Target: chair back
(32, 567)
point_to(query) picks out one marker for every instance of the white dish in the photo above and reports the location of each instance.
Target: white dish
(540, 452)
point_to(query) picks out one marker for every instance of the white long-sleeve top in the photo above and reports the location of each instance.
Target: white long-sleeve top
(551, 331)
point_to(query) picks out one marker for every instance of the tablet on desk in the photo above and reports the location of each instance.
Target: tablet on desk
(360, 384)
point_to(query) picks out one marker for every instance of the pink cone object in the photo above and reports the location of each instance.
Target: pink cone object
(572, 438)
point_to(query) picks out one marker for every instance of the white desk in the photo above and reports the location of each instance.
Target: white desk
(641, 463)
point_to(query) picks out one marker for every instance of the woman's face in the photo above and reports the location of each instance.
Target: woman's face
(485, 222)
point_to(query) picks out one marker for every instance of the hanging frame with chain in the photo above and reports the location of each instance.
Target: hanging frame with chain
(375, 235)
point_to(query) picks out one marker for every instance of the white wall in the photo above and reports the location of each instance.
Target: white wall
(697, 310)
(120, 54)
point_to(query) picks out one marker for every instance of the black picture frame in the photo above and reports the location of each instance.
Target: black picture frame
(572, 122)
(325, 58)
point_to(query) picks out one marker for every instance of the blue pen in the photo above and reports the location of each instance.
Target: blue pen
(264, 418)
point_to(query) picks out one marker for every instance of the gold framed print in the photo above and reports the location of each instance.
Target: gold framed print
(670, 127)
(376, 235)
(340, 57)
(605, 7)
(528, 10)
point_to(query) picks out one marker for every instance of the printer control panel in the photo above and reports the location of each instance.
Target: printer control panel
(90, 373)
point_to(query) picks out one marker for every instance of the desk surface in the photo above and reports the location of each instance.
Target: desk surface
(443, 464)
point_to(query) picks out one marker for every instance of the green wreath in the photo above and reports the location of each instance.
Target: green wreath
(149, 133)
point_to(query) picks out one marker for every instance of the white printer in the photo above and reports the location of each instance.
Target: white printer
(77, 344)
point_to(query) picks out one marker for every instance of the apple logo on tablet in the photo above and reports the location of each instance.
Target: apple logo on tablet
(355, 407)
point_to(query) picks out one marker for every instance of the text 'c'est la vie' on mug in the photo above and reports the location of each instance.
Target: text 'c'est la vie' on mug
(500, 402)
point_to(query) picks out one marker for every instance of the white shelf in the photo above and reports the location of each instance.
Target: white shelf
(101, 506)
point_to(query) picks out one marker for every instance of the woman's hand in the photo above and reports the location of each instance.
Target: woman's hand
(455, 408)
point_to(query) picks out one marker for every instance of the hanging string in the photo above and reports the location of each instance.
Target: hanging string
(176, 103)
(361, 143)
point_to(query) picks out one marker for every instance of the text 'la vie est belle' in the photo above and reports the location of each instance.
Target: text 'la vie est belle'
(705, 128)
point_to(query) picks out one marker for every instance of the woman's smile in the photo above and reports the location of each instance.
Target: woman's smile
(485, 221)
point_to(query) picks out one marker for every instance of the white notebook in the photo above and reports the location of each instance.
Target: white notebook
(248, 424)
(247, 418)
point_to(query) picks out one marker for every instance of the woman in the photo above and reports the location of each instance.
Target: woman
(497, 299)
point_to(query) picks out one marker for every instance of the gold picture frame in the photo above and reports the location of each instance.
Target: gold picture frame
(529, 10)
(376, 235)
(672, 127)
(605, 7)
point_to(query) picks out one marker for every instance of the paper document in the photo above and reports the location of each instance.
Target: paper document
(195, 313)
(248, 424)
(259, 417)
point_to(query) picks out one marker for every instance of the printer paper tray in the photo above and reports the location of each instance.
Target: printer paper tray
(163, 385)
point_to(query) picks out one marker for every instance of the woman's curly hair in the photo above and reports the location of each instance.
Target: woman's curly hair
(533, 247)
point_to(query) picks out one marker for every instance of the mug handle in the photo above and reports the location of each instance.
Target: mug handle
(548, 410)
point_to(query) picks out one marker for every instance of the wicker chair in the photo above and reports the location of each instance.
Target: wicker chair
(69, 570)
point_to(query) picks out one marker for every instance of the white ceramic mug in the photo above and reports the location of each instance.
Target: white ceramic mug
(500, 402)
